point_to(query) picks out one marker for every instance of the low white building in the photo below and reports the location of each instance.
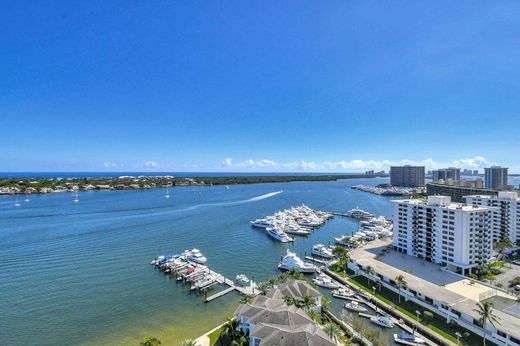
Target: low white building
(451, 234)
(506, 218)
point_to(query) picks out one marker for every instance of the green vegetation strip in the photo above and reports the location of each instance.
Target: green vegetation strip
(214, 335)
(436, 323)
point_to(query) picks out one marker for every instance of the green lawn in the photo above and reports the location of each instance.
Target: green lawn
(340, 270)
(214, 335)
(437, 323)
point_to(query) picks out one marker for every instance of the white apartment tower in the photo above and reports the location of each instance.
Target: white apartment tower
(506, 219)
(451, 234)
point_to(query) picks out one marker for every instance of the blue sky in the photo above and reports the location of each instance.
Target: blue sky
(258, 86)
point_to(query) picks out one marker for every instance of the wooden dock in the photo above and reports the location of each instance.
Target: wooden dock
(247, 290)
(220, 294)
(320, 261)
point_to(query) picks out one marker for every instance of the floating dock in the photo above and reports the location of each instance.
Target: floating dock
(246, 290)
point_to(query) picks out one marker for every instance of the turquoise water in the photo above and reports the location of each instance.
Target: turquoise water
(80, 273)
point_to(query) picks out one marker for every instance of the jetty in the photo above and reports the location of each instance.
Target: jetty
(245, 290)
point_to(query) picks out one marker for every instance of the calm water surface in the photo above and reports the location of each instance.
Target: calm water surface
(80, 273)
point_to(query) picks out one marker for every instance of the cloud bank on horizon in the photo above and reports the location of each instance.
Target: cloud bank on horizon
(477, 162)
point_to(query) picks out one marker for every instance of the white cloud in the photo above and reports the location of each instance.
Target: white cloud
(477, 162)
(150, 164)
(227, 162)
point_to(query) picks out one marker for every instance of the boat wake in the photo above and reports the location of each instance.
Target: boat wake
(267, 195)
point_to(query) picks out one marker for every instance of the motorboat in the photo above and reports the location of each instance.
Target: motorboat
(408, 339)
(242, 280)
(281, 236)
(382, 321)
(322, 251)
(261, 223)
(202, 283)
(195, 256)
(324, 281)
(291, 261)
(355, 306)
(296, 230)
(342, 293)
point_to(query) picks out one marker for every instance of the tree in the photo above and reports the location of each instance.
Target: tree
(188, 342)
(341, 253)
(230, 328)
(325, 302)
(370, 271)
(308, 302)
(289, 300)
(246, 299)
(241, 341)
(401, 283)
(150, 341)
(502, 245)
(485, 310)
(294, 274)
(315, 316)
(333, 331)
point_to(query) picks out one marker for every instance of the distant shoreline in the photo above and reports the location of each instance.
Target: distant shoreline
(20, 185)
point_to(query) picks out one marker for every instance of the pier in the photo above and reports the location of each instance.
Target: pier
(246, 290)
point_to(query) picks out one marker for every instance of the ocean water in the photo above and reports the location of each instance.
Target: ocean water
(79, 273)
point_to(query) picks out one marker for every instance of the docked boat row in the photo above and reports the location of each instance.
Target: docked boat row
(325, 281)
(323, 251)
(294, 221)
(370, 229)
(189, 268)
(387, 190)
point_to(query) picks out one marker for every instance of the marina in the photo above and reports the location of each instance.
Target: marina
(120, 231)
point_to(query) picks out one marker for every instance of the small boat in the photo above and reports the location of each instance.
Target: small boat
(26, 198)
(342, 293)
(281, 236)
(296, 230)
(291, 261)
(261, 223)
(167, 195)
(322, 251)
(324, 281)
(76, 197)
(195, 256)
(355, 306)
(382, 321)
(242, 280)
(408, 339)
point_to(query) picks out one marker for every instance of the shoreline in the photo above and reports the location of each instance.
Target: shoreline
(26, 186)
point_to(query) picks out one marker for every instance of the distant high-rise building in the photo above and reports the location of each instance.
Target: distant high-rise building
(407, 176)
(475, 172)
(496, 177)
(506, 219)
(446, 173)
(370, 173)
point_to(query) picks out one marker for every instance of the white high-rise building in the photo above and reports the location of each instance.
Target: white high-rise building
(451, 234)
(506, 219)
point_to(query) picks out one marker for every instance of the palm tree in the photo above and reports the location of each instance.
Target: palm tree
(262, 288)
(241, 341)
(308, 302)
(247, 299)
(294, 274)
(315, 316)
(188, 342)
(401, 283)
(230, 328)
(289, 300)
(333, 331)
(341, 253)
(150, 341)
(370, 271)
(485, 310)
(325, 303)
(502, 245)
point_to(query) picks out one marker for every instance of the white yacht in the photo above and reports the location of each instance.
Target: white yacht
(355, 306)
(342, 293)
(291, 261)
(382, 321)
(261, 223)
(296, 230)
(195, 256)
(408, 339)
(324, 281)
(322, 251)
(281, 236)
(242, 280)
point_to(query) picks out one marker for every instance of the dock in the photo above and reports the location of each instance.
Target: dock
(246, 290)
(362, 314)
(314, 259)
